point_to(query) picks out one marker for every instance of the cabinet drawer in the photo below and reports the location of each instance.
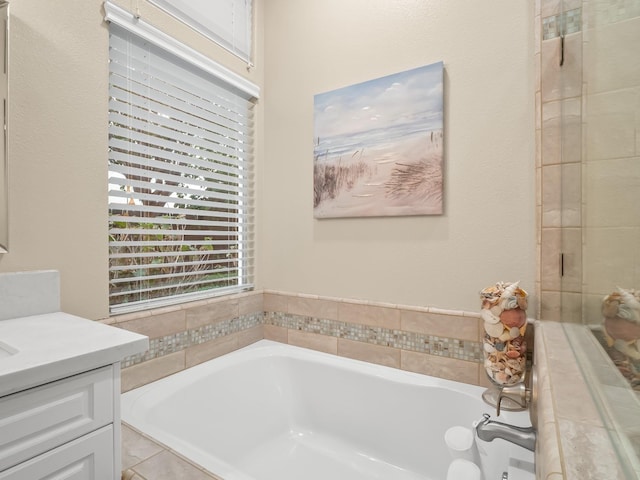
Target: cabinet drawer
(86, 458)
(41, 418)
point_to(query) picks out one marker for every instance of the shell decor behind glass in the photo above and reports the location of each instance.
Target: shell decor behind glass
(621, 321)
(504, 313)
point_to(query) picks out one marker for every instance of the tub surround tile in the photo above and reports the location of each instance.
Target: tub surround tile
(155, 326)
(555, 476)
(218, 310)
(548, 460)
(378, 354)
(152, 370)
(374, 332)
(187, 338)
(313, 307)
(199, 316)
(277, 334)
(454, 326)
(250, 335)
(249, 304)
(451, 369)
(275, 302)
(586, 452)
(581, 448)
(211, 349)
(371, 315)
(435, 345)
(313, 341)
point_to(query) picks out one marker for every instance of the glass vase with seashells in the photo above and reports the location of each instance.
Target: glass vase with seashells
(504, 315)
(621, 332)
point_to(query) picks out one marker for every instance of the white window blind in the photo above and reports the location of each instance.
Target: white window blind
(227, 22)
(180, 179)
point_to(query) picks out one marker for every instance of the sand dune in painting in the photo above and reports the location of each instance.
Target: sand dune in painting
(404, 178)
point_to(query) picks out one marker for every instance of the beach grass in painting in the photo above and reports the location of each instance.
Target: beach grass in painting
(378, 146)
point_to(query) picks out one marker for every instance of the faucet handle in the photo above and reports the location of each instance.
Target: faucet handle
(518, 393)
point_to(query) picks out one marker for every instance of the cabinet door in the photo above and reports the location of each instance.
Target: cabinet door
(39, 419)
(86, 458)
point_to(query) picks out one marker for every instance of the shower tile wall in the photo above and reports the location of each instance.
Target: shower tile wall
(587, 130)
(558, 156)
(611, 159)
(440, 343)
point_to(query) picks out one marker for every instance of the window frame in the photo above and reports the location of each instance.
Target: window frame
(232, 82)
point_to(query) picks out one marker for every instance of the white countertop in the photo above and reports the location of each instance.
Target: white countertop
(42, 348)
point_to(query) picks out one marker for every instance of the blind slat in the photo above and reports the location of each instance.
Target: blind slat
(180, 179)
(168, 106)
(183, 134)
(200, 162)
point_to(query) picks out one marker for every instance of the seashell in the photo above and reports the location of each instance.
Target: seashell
(523, 329)
(509, 291)
(514, 332)
(509, 303)
(513, 318)
(522, 301)
(493, 329)
(500, 346)
(624, 348)
(501, 377)
(496, 310)
(489, 317)
(629, 299)
(513, 354)
(610, 305)
(626, 312)
(506, 336)
(508, 371)
(489, 348)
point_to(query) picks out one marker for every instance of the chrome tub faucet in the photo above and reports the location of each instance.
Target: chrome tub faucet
(488, 430)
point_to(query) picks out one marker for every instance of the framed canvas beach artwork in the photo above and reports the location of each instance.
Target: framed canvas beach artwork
(378, 146)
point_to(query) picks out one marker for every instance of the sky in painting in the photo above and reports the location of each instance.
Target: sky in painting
(395, 105)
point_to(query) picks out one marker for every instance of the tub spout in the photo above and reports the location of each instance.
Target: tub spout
(489, 430)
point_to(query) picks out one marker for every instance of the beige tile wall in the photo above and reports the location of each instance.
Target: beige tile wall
(573, 443)
(559, 171)
(170, 327)
(447, 324)
(168, 322)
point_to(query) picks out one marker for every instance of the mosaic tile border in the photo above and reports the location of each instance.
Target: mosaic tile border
(417, 342)
(401, 339)
(564, 23)
(159, 347)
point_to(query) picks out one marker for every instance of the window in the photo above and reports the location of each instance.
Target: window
(227, 22)
(180, 171)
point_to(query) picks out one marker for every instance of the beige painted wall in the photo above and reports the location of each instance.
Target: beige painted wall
(58, 140)
(487, 232)
(58, 145)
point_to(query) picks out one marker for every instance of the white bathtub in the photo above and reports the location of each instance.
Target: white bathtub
(272, 411)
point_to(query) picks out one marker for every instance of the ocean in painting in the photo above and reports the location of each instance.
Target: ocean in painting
(378, 146)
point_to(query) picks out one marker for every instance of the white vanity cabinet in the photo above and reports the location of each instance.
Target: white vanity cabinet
(59, 385)
(69, 426)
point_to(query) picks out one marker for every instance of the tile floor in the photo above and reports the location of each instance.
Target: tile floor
(145, 459)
